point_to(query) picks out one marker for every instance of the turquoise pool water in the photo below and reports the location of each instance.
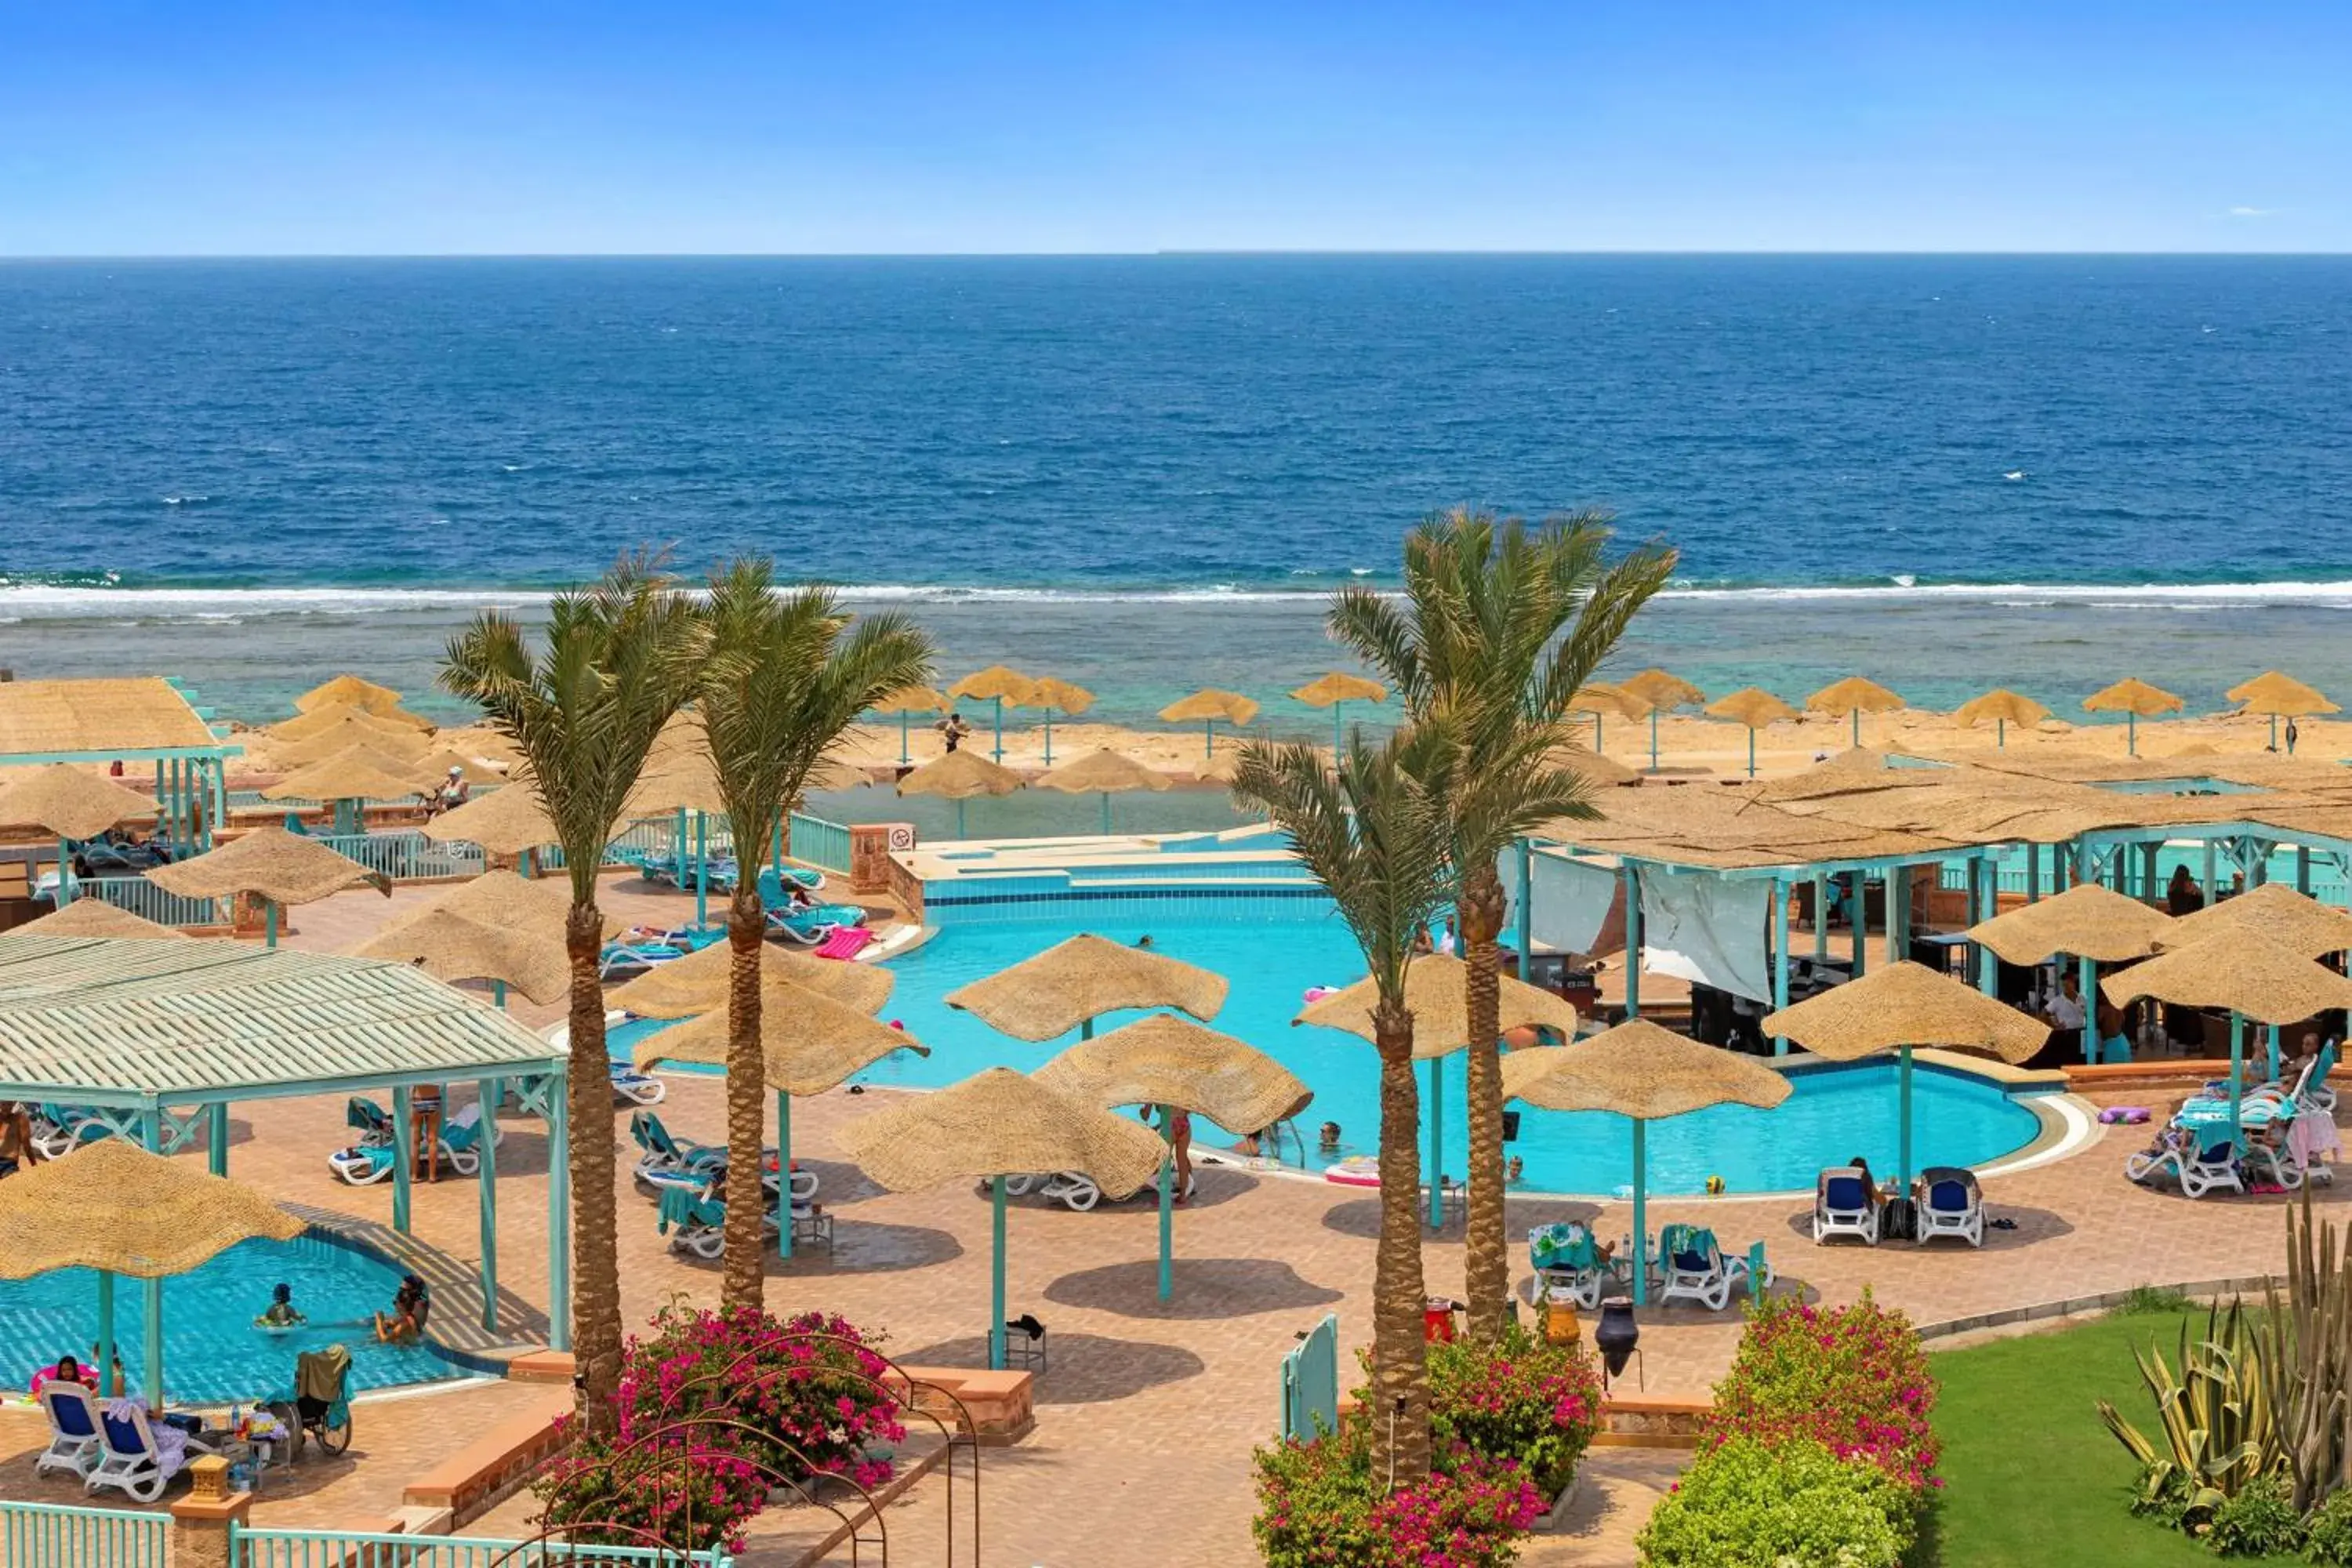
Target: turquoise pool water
(1833, 1114)
(211, 1352)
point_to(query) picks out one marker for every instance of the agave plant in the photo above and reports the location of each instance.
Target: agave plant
(2218, 1422)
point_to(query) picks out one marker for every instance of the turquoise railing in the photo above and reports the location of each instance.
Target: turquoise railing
(149, 902)
(51, 1535)
(250, 1548)
(405, 857)
(1310, 1383)
(819, 843)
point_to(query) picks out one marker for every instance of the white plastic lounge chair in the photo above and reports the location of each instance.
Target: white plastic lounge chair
(131, 1460)
(1845, 1204)
(76, 1445)
(1950, 1204)
(1694, 1269)
(1567, 1263)
(2198, 1169)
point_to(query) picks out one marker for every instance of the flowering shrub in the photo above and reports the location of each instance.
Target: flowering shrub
(1853, 1379)
(713, 1411)
(1789, 1504)
(1321, 1508)
(1525, 1400)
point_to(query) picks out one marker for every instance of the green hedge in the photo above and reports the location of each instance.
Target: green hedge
(1791, 1504)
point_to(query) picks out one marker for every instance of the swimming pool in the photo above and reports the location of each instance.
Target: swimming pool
(1833, 1112)
(211, 1352)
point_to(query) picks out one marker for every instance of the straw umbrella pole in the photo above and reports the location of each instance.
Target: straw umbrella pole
(1167, 1061)
(350, 778)
(2278, 694)
(2243, 971)
(270, 864)
(2091, 921)
(1050, 692)
(1900, 1006)
(1209, 705)
(904, 702)
(2135, 700)
(1751, 708)
(998, 684)
(1645, 1074)
(995, 1122)
(119, 1209)
(1853, 697)
(1598, 698)
(959, 777)
(72, 803)
(2004, 707)
(1104, 773)
(1334, 689)
(1661, 691)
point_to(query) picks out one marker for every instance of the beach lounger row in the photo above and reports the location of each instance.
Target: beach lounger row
(1686, 1264)
(1947, 1202)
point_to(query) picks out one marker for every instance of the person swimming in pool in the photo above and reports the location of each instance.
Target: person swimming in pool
(280, 1312)
(412, 1308)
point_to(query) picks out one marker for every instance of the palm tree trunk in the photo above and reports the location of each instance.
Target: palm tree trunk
(1478, 917)
(595, 1261)
(739, 1286)
(1400, 1413)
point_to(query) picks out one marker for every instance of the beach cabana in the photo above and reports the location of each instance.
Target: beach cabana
(1053, 694)
(2090, 921)
(2242, 972)
(1208, 705)
(2004, 707)
(1645, 1074)
(1751, 708)
(996, 1121)
(2281, 696)
(1436, 992)
(1899, 1007)
(72, 803)
(272, 864)
(120, 1211)
(699, 982)
(959, 776)
(906, 703)
(1104, 773)
(1335, 690)
(2135, 700)
(141, 719)
(1852, 698)
(158, 1038)
(1083, 978)
(1660, 692)
(996, 685)
(1598, 698)
(1165, 1061)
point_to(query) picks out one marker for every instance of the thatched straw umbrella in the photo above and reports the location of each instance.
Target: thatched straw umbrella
(1106, 774)
(2089, 921)
(95, 917)
(497, 927)
(1051, 692)
(2135, 700)
(2273, 914)
(349, 689)
(1595, 767)
(326, 716)
(1751, 708)
(1167, 1061)
(1077, 980)
(2241, 969)
(1853, 696)
(405, 746)
(348, 779)
(1209, 705)
(2004, 707)
(994, 1122)
(512, 821)
(114, 1207)
(1660, 692)
(680, 778)
(998, 684)
(959, 777)
(1645, 1074)
(437, 765)
(72, 803)
(1598, 698)
(273, 865)
(1437, 994)
(699, 982)
(1335, 689)
(2279, 695)
(1902, 1006)
(906, 703)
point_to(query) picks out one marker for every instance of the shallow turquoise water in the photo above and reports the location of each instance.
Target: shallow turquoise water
(1832, 1115)
(211, 1352)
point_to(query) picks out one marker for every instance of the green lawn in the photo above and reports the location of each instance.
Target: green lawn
(2032, 1476)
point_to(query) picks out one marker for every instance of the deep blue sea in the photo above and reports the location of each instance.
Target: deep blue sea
(1144, 473)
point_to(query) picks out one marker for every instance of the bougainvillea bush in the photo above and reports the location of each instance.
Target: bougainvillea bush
(1853, 1379)
(714, 1410)
(1525, 1400)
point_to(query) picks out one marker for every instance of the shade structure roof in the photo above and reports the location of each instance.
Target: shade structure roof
(70, 801)
(115, 1206)
(1641, 1070)
(356, 773)
(1906, 1003)
(505, 821)
(2000, 704)
(1061, 696)
(303, 726)
(699, 982)
(1113, 772)
(676, 778)
(2274, 913)
(1339, 687)
(1751, 706)
(1661, 689)
(2088, 920)
(542, 904)
(1167, 1060)
(1436, 990)
(1048, 994)
(1210, 703)
(348, 689)
(808, 1043)
(282, 866)
(998, 681)
(2236, 970)
(403, 746)
(996, 1121)
(98, 720)
(455, 948)
(126, 1022)
(960, 775)
(1598, 697)
(912, 699)
(2133, 696)
(2276, 692)
(1851, 695)
(95, 917)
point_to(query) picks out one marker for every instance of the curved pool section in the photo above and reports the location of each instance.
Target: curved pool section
(211, 1352)
(1834, 1111)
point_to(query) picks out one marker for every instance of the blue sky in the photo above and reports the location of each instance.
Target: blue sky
(261, 127)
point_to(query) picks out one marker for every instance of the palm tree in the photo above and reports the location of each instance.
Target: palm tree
(783, 685)
(1498, 626)
(621, 657)
(1375, 837)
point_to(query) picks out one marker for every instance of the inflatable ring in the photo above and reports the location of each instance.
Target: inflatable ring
(1317, 993)
(2128, 1115)
(1355, 1171)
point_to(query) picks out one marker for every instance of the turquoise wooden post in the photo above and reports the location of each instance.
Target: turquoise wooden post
(1049, 734)
(783, 1174)
(2302, 870)
(1641, 1213)
(1527, 908)
(2210, 874)
(1898, 910)
(1000, 757)
(1779, 954)
(960, 829)
(2033, 873)
(702, 870)
(1820, 916)
(996, 1274)
(1106, 811)
(65, 873)
(2237, 1072)
(559, 1214)
(1653, 739)
(217, 1138)
(1988, 963)
(1903, 1159)
(1861, 920)
(270, 922)
(1167, 1205)
(1339, 746)
(486, 1191)
(1751, 753)
(403, 1150)
(2086, 976)
(776, 844)
(904, 756)
(1436, 1143)
(106, 1349)
(1633, 941)
(151, 1133)
(2274, 1044)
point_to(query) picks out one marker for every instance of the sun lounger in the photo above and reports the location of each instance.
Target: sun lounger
(370, 1161)
(774, 892)
(1693, 1268)
(631, 1087)
(814, 924)
(627, 960)
(75, 1443)
(1846, 1204)
(1569, 1264)
(59, 1130)
(701, 1223)
(131, 1460)
(1950, 1204)
(2198, 1169)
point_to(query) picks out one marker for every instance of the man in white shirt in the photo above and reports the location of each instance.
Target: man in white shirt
(2064, 1011)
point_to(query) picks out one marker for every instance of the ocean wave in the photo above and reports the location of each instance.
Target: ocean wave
(2021, 595)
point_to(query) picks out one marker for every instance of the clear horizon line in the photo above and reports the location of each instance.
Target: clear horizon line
(1169, 253)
